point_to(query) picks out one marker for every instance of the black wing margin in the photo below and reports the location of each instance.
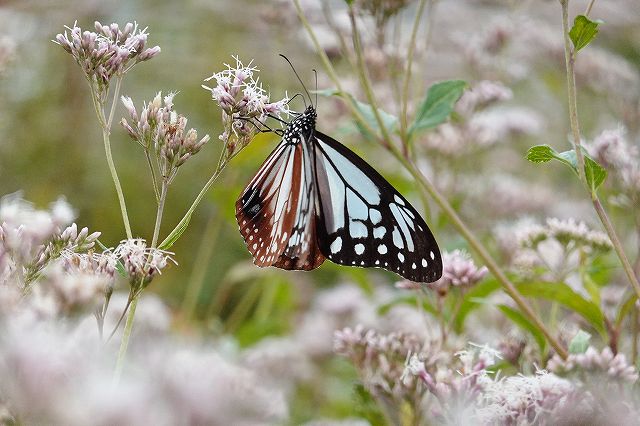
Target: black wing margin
(362, 220)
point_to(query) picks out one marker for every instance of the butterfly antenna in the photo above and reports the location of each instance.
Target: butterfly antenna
(295, 96)
(316, 75)
(299, 79)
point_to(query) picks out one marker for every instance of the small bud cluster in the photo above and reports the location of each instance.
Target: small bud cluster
(458, 270)
(245, 104)
(567, 232)
(30, 239)
(380, 358)
(613, 150)
(614, 367)
(99, 265)
(108, 51)
(160, 128)
(141, 263)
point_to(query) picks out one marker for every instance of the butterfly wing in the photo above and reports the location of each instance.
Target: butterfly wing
(363, 221)
(275, 212)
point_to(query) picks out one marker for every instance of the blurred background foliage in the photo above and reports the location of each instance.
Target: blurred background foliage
(50, 142)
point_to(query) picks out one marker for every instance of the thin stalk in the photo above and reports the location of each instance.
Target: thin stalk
(570, 57)
(196, 281)
(634, 336)
(106, 131)
(124, 344)
(589, 7)
(128, 327)
(364, 79)
(575, 130)
(482, 252)
(407, 74)
(440, 200)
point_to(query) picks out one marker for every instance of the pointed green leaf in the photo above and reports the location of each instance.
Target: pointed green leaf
(584, 30)
(473, 300)
(594, 172)
(389, 121)
(625, 309)
(521, 321)
(175, 234)
(437, 104)
(579, 343)
(564, 295)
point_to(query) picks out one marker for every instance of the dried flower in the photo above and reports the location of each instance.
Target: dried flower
(109, 51)
(458, 270)
(141, 263)
(245, 104)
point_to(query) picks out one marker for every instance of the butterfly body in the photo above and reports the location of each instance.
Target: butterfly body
(314, 199)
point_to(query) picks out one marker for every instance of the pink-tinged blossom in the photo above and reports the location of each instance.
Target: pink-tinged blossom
(141, 263)
(614, 368)
(108, 51)
(245, 104)
(458, 270)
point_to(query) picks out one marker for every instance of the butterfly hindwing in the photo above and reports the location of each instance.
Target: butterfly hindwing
(364, 221)
(275, 211)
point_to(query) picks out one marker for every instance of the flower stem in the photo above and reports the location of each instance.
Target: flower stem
(98, 105)
(128, 327)
(482, 252)
(448, 210)
(124, 343)
(575, 130)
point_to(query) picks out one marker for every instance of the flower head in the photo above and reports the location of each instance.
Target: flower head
(245, 104)
(108, 51)
(458, 270)
(160, 128)
(142, 263)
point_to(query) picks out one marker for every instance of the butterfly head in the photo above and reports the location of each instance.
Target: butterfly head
(302, 126)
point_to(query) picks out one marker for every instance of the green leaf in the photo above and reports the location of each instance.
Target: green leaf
(175, 234)
(437, 104)
(473, 300)
(625, 309)
(389, 121)
(594, 172)
(521, 321)
(564, 295)
(579, 343)
(584, 30)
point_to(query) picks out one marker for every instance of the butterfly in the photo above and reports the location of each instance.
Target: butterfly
(314, 199)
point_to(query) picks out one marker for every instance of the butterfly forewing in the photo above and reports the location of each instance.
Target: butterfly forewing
(364, 221)
(275, 211)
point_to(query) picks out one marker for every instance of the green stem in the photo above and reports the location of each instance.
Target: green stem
(482, 252)
(575, 130)
(364, 79)
(407, 74)
(201, 264)
(440, 200)
(128, 327)
(124, 344)
(106, 131)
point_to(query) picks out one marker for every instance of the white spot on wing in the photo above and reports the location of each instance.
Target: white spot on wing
(357, 230)
(336, 245)
(359, 248)
(382, 249)
(401, 257)
(397, 238)
(424, 262)
(375, 216)
(432, 255)
(398, 199)
(379, 232)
